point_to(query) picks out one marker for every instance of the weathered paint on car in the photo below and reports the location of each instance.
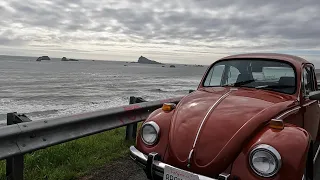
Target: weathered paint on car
(213, 129)
(292, 142)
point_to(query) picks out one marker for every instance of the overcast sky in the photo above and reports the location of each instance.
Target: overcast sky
(175, 31)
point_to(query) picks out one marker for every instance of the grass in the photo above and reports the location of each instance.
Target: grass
(75, 158)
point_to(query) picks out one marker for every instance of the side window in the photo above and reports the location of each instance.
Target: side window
(233, 75)
(214, 76)
(307, 81)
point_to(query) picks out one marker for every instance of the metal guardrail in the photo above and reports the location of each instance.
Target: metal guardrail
(131, 130)
(22, 135)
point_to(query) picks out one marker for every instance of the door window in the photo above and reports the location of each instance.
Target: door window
(307, 81)
(215, 76)
(233, 75)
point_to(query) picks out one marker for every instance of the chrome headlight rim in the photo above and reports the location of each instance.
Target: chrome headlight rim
(273, 152)
(156, 127)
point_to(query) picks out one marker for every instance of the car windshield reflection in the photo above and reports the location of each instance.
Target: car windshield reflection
(253, 73)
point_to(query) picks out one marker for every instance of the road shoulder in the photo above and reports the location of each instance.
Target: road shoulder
(120, 169)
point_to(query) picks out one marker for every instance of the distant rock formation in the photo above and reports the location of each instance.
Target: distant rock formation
(145, 60)
(43, 58)
(65, 59)
(196, 65)
(172, 66)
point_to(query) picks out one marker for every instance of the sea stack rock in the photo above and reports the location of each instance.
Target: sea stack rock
(43, 58)
(64, 59)
(145, 60)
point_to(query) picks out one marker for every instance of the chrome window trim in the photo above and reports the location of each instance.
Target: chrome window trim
(308, 103)
(288, 112)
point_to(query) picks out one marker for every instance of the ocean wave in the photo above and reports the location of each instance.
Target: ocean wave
(170, 90)
(45, 112)
(54, 89)
(3, 117)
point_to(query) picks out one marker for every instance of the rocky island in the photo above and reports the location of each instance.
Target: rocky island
(43, 58)
(145, 60)
(65, 59)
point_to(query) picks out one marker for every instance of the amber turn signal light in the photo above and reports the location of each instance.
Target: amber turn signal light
(167, 107)
(276, 124)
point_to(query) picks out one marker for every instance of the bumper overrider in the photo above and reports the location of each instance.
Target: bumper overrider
(154, 167)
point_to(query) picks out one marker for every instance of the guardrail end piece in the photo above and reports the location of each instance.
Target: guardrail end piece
(15, 164)
(131, 129)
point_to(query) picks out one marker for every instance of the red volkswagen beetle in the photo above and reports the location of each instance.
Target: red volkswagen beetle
(253, 117)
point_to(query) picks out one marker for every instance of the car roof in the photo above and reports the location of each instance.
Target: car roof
(295, 60)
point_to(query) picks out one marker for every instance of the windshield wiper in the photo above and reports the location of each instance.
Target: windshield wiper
(274, 86)
(241, 83)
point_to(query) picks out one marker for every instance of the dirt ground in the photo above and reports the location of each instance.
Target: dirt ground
(121, 169)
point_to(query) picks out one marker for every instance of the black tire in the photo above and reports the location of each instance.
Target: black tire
(316, 165)
(308, 172)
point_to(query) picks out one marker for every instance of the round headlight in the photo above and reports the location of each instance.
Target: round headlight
(265, 160)
(150, 132)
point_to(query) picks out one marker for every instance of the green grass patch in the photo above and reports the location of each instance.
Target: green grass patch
(75, 158)
(2, 170)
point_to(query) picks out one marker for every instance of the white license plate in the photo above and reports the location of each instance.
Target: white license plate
(172, 173)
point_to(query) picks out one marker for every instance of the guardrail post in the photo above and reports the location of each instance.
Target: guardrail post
(15, 164)
(131, 130)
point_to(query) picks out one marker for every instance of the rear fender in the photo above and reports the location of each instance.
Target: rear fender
(292, 143)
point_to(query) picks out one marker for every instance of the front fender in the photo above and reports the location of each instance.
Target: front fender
(163, 119)
(292, 143)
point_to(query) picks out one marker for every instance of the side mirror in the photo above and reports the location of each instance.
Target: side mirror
(314, 95)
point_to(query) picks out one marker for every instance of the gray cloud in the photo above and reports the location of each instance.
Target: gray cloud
(177, 24)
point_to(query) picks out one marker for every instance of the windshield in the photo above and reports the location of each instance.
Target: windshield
(254, 73)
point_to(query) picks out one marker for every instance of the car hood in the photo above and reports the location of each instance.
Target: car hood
(215, 122)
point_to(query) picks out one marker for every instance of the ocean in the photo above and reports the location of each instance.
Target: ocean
(55, 88)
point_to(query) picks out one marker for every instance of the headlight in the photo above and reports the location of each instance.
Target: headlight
(265, 160)
(150, 132)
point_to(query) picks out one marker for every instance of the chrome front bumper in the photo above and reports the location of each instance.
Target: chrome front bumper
(153, 166)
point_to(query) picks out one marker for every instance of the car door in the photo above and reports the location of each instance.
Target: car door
(310, 108)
